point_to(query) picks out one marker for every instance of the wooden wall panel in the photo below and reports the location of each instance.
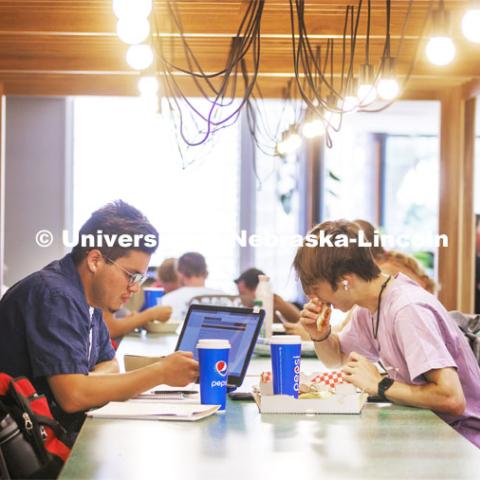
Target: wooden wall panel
(456, 201)
(450, 207)
(2, 184)
(467, 248)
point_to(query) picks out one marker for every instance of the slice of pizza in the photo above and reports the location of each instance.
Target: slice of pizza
(324, 316)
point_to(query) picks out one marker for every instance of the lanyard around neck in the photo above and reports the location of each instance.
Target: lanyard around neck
(375, 327)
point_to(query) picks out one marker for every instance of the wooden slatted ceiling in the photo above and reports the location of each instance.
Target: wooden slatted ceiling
(63, 47)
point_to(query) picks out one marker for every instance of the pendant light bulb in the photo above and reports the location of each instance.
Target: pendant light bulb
(388, 88)
(366, 93)
(139, 57)
(313, 128)
(289, 142)
(440, 49)
(133, 30)
(132, 8)
(471, 25)
(351, 101)
(148, 85)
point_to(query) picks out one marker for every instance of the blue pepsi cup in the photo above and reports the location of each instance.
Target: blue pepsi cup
(286, 350)
(213, 359)
(151, 296)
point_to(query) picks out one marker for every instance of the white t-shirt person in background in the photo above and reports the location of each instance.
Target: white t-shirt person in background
(192, 273)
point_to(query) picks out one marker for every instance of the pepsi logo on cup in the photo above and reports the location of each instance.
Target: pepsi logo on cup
(296, 378)
(213, 359)
(221, 368)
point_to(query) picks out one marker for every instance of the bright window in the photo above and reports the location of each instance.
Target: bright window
(277, 211)
(411, 185)
(349, 176)
(122, 152)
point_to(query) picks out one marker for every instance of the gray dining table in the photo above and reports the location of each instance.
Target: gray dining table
(384, 441)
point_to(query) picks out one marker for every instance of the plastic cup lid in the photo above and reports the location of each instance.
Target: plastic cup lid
(213, 343)
(285, 340)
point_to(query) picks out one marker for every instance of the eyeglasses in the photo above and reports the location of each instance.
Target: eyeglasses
(133, 278)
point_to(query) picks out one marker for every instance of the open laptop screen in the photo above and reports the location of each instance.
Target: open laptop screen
(240, 326)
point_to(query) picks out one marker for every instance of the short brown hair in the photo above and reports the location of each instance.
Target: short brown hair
(369, 230)
(326, 263)
(250, 278)
(192, 264)
(116, 219)
(167, 271)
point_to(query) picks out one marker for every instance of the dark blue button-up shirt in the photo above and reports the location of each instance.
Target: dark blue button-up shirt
(47, 328)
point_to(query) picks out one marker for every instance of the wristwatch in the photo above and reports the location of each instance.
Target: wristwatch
(383, 386)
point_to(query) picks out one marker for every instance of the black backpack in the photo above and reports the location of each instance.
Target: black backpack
(32, 443)
(469, 324)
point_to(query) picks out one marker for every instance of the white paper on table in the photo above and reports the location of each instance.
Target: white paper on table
(166, 393)
(168, 388)
(145, 410)
(160, 397)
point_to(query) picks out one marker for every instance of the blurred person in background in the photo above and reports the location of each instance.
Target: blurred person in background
(192, 274)
(119, 324)
(285, 312)
(167, 277)
(393, 262)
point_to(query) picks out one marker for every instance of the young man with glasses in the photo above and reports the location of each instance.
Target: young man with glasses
(51, 324)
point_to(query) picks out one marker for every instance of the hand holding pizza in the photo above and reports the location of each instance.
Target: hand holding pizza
(315, 318)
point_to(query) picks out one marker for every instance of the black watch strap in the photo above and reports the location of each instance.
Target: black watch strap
(383, 386)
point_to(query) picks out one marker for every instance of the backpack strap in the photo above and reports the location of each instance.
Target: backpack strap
(27, 421)
(38, 421)
(32, 414)
(3, 467)
(469, 324)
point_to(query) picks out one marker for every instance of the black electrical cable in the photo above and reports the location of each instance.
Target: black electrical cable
(344, 47)
(191, 57)
(248, 34)
(367, 43)
(220, 88)
(331, 60)
(241, 43)
(415, 56)
(194, 75)
(303, 39)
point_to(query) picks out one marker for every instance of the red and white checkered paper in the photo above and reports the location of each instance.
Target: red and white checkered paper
(266, 377)
(331, 379)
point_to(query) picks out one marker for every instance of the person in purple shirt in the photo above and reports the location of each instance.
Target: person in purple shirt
(396, 322)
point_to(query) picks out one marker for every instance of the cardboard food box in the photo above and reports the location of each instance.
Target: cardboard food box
(133, 362)
(341, 399)
(155, 326)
